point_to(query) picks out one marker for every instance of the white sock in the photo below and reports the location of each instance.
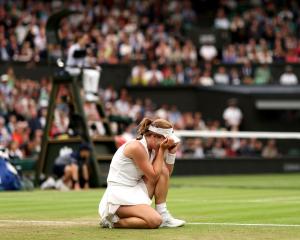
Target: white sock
(161, 208)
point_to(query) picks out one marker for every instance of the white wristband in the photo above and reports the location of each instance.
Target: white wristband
(170, 159)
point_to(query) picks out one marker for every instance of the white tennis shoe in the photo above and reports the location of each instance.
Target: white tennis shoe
(104, 223)
(169, 221)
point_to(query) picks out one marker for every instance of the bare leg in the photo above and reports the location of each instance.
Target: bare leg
(131, 222)
(74, 169)
(85, 173)
(138, 216)
(160, 188)
(67, 178)
(160, 192)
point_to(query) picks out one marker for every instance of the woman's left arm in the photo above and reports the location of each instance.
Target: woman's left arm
(170, 158)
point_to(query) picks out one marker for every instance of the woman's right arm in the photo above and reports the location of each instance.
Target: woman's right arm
(138, 154)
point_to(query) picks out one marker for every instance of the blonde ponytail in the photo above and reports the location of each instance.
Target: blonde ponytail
(143, 127)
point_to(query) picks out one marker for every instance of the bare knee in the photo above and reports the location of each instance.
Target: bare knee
(74, 167)
(67, 171)
(154, 221)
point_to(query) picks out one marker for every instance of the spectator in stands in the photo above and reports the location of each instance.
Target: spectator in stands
(43, 117)
(168, 76)
(208, 145)
(189, 52)
(188, 120)
(262, 75)
(12, 123)
(232, 115)
(247, 73)
(198, 148)
(31, 147)
(193, 148)
(192, 73)
(136, 108)
(221, 77)
(20, 133)
(175, 116)
(244, 148)
(162, 112)
(5, 88)
(188, 148)
(278, 53)
(238, 29)
(5, 137)
(163, 52)
(264, 56)
(153, 76)
(26, 53)
(125, 48)
(179, 74)
(288, 77)
(218, 150)
(291, 56)
(206, 79)
(256, 147)
(242, 54)
(229, 147)
(270, 150)
(61, 122)
(138, 75)
(208, 51)
(234, 76)
(96, 127)
(72, 168)
(40, 43)
(4, 54)
(109, 94)
(214, 125)
(229, 55)
(199, 123)
(122, 104)
(221, 20)
(14, 151)
(34, 121)
(176, 52)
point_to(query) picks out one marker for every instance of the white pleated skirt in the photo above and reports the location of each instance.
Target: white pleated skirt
(118, 195)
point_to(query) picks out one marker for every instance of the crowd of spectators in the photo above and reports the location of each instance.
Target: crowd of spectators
(263, 32)
(191, 147)
(225, 147)
(154, 32)
(206, 75)
(23, 112)
(120, 31)
(255, 35)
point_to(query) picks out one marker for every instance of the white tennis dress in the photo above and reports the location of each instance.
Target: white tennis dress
(125, 185)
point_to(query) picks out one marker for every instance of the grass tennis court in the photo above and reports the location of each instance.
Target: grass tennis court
(215, 207)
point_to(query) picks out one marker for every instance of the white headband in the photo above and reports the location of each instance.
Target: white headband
(166, 132)
(162, 131)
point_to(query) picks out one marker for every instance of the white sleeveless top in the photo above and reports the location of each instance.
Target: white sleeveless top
(123, 170)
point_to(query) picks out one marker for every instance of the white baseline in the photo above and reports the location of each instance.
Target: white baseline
(95, 222)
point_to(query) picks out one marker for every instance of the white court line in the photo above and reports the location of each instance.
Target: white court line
(291, 199)
(247, 224)
(91, 223)
(46, 222)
